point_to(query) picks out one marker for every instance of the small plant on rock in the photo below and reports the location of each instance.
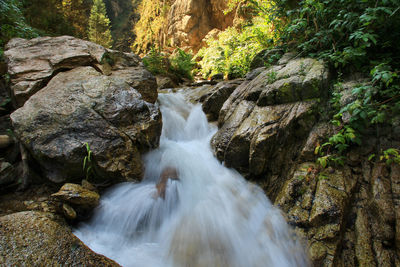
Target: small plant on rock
(88, 163)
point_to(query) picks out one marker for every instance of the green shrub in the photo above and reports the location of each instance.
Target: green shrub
(232, 52)
(177, 66)
(182, 64)
(157, 62)
(12, 22)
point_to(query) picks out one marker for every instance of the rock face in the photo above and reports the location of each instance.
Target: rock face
(33, 63)
(189, 21)
(113, 114)
(43, 239)
(268, 115)
(269, 131)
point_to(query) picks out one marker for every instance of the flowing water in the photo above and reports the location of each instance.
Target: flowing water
(210, 216)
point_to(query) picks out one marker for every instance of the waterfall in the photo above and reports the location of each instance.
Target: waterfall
(208, 216)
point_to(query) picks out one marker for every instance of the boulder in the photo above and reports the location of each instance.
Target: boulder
(82, 106)
(220, 93)
(33, 63)
(266, 119)
(77, 195)
(164, 82)
(43, 239)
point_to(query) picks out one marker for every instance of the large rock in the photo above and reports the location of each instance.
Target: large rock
(213, 102)
(83, 106)
(189, 21)
(266, 119)
(43, 239)
(33, 63)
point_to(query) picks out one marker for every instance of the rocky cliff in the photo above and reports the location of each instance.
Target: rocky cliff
(189, 21)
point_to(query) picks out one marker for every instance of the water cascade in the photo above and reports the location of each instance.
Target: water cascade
(207, 216)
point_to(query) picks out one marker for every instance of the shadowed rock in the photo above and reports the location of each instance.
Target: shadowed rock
(83, 106)
(43, 239)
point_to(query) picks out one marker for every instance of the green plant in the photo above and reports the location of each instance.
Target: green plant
(182, 64)
(13, 23)
(179, 65)
(271, 77)
(88, 163)
(390, 156)
(157, 62)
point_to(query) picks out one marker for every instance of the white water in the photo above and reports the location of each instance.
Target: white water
(210, 217)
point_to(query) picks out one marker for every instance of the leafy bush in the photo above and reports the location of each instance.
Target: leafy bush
(182, 64)
(177, 66)
(232, 52)
(12, 22)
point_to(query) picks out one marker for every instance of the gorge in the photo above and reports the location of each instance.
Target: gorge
(277, 144)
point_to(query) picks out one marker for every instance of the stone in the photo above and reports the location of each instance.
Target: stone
(363, 249)
(77, 195)
(69, 212)
(87, 185)
(251, 75)
(43, 239)
(164, 82)
(83, 106)
(8, 174)
(220, 93)
(33, 63)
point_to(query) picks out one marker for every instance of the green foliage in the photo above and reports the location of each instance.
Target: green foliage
(99, 25)
(179, 65)
(88, 163)
(48, 17)
(157, 62)
(232, 52)
(13, 23)
(391, 156)
(345, 31)
(182, 64)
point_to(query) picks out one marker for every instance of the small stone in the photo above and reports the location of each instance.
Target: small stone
(69, 212)
(77, 195)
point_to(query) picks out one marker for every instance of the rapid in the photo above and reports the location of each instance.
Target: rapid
(209, 216)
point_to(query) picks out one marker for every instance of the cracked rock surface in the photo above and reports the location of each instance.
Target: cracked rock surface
(91, 95)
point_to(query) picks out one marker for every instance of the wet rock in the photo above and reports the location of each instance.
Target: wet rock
(220, 93)
(69, 212)
(33, 63)
(77, 195)
(363, 249)
(40, 238)
(8, 174)
(83, 106)
(251, 75)
(165, 82)
(87, 185)
(316, 137)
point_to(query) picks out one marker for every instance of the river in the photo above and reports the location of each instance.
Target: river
(209, 216)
